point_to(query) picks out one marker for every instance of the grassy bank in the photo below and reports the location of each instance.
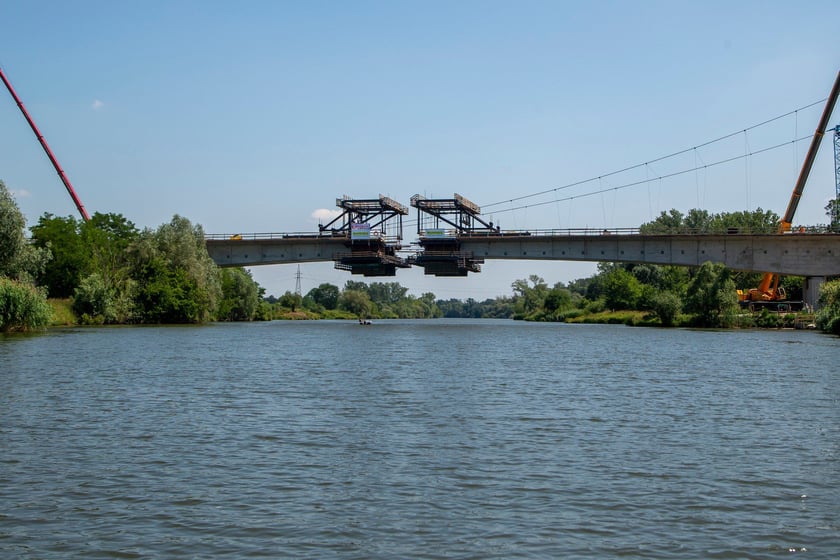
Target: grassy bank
(62, 312)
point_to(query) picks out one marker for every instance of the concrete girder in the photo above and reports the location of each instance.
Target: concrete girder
(788, 254)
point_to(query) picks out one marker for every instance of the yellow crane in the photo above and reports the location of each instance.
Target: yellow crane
(769, 289)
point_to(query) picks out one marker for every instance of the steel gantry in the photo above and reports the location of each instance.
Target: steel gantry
(441, 223)
(373, 230)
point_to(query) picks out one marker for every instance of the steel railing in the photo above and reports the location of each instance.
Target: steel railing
(569, 232)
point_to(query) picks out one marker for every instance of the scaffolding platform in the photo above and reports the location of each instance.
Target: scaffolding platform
(440, 224)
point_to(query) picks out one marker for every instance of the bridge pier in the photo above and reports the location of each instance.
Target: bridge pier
(811, 290)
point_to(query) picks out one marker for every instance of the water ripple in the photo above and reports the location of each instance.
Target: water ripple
(473, 439)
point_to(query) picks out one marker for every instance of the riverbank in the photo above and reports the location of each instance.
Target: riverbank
(63, 316)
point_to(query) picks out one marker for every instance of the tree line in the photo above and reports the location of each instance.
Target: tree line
(112, 272)
(377, 300)
(703, 296)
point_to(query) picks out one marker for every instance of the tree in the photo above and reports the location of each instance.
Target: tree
(756, 221)
(240, 296)
(529, 297)
(557, 299)
(70, 262)
(356, 302)
(290, 300)
(832, 210)
(621, 290)
(711, 296)
(12, 241)
(80, 249)
(388, 293)
(700, 221)
(666, 306)
(828, 317)
(671, 222)
(106, 238)
(22, 305)
(18, 259)
(325, 295)
(94, 301)
(428, 305)
(176, 280)
(355, 285)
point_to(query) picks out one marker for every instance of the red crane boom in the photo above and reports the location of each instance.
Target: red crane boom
(46, 147)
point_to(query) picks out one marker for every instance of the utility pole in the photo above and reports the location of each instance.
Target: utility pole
(297, 281)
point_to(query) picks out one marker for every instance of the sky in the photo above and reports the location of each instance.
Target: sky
(255, 116)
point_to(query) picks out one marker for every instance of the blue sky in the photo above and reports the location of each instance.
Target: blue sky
(256, 115)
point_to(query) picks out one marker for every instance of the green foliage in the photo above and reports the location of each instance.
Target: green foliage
(828, 317)
(22, 307)
(832, 210)
(70, 261)
(176, 280)
(498, 308)
(12, 241)
(356, 302)
(666, 306)
(18, 258)
(711, 296)
(94, 301)
(384, 300)
(557, 299)
(240, 296)
(169, 295)
(117, 274)
(83, 248)
(700, 221)
(621, 290)
(325, 295)
(62, 312)
(528, 297)
(290, 301)
(387, 293)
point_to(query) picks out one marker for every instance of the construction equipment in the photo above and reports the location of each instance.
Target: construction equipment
(79, 206)
(837, 162)
(769, 290)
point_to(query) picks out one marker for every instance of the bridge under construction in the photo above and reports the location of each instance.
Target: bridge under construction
(454, 240)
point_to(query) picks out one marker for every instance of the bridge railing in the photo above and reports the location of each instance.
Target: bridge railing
(551, 232)
(273, 235)
(517, 233)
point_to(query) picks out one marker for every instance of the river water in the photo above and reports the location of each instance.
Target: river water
(419, 439)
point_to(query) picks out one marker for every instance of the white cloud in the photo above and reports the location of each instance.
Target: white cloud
(21, 193)
(97, 104)
(325, 215)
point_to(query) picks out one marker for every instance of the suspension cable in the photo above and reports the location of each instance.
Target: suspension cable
(648, 180)
(674, 154)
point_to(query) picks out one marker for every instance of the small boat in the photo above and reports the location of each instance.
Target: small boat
(365, 321)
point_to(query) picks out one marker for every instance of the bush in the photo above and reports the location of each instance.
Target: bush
(596, 306)
(22, 307)
(666, 306)
(828, 317)
(94, 301)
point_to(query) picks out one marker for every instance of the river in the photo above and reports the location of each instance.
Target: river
(467, 439)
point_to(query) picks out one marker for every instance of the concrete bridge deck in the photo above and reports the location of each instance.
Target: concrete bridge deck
(800, 254)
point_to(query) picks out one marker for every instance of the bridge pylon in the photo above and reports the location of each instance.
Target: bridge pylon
(373, 229)
(440, 225)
